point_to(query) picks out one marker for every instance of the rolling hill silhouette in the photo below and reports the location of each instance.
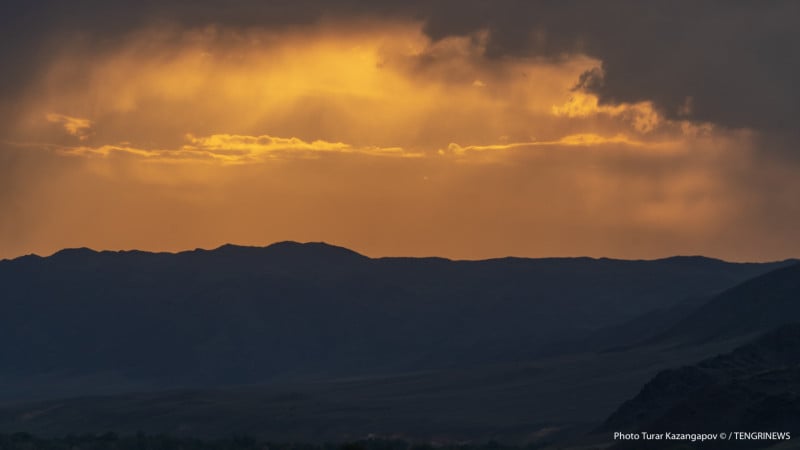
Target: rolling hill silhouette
(82, 321)
(316, 342)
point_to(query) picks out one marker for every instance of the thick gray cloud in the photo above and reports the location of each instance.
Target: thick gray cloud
(734, 63)
(731, 63)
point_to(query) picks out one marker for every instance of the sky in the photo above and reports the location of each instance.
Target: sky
(464, 129)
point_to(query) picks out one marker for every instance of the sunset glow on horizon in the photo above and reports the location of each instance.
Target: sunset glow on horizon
(371, 134)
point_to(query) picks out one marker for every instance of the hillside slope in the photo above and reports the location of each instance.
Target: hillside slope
(82, 322)
(755, 306)
(756, 387)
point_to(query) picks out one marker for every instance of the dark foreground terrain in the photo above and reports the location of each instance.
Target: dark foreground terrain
(314, 343)
(755, 388)
(112, 441)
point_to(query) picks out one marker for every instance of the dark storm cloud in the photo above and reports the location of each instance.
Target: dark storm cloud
(730, 63)
(727, 62)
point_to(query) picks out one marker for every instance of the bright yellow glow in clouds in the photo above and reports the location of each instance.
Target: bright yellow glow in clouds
(365, 135)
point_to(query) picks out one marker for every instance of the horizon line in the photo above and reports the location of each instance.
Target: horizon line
(327, 244)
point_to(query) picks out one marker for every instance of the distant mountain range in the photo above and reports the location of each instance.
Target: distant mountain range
(82, 321)
(303, 342)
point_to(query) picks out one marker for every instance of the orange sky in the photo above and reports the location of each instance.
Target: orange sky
(370, 136)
